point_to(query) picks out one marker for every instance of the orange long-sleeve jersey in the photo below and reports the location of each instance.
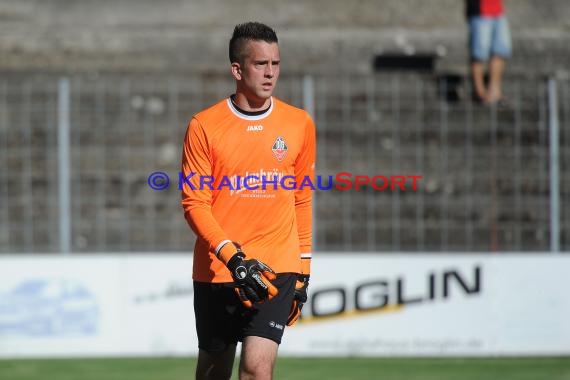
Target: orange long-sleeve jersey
(239, 174)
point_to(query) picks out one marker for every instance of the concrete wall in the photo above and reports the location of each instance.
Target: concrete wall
(179, 35)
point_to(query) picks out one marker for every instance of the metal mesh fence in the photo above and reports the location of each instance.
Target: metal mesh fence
(486, 172)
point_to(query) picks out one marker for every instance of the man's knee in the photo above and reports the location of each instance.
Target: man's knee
(259, 370)
(215, 365)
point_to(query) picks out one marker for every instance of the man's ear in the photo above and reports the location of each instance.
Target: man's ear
(236, 70)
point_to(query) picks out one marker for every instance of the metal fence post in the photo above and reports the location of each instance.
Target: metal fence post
(63, 122)
(554, 166)
(309, 106)
(309, 95)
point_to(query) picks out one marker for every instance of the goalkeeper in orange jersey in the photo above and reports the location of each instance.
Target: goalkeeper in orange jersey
(253, 249)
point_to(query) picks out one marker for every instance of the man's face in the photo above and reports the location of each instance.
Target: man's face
(258, 73)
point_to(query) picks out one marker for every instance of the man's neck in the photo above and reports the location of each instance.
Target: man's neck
(250, 105)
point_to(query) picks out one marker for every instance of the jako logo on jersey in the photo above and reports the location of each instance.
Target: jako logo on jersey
(254, 128)
(279, 149)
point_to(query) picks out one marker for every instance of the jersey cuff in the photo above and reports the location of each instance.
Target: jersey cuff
(306, 263)
(220, 246)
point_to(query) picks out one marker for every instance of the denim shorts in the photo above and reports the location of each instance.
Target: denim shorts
(489, 36)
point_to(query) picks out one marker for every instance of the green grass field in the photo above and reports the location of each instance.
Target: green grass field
(295, 369)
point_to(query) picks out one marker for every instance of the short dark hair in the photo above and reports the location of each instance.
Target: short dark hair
(249, 31)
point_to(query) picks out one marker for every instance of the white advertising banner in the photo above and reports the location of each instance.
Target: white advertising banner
(359, 304)
(435, 305)
(96, 305)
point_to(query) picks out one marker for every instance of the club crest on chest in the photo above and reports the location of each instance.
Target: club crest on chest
(279, 149)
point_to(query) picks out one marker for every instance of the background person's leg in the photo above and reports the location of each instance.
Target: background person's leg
(496, 69)
(478, 77)
(480, 33)
(500, 51)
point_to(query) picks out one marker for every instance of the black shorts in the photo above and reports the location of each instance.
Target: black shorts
(221, 318)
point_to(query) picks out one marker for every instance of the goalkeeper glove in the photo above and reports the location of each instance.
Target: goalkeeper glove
(299, 299)
(252, 278)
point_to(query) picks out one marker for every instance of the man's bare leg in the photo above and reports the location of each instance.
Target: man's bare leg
(257, 358)
(216, 366)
